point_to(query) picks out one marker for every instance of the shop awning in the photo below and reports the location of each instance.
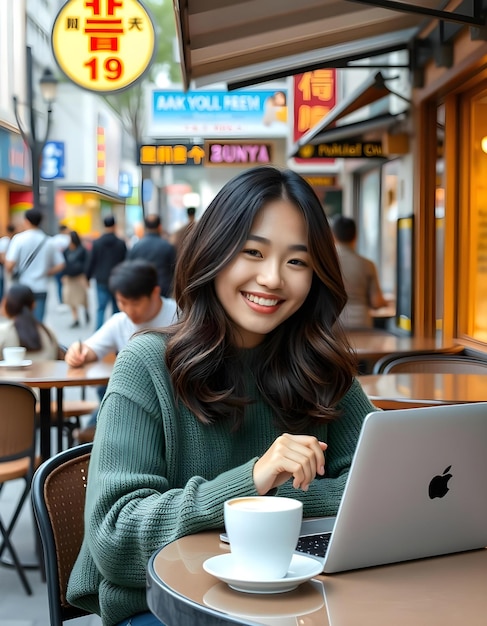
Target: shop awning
(371, 90)
(341, 55)
(241, 42)
(111, 196)
(356, 131)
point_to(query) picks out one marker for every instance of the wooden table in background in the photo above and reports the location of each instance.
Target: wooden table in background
(381, 317)
(407, 390)
(445, 590)
(47, 375)
(373, 344)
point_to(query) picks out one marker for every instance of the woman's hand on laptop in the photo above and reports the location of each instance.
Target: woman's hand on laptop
(297, 456)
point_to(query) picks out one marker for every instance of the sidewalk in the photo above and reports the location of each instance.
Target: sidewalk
(16, 607)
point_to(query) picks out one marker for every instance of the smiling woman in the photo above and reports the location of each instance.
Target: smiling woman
(240, 397)
(270, 278)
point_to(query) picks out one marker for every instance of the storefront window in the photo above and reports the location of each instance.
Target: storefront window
(476, 225)
(389, 217)
(440, 214)
(377, 221)
(369, 216)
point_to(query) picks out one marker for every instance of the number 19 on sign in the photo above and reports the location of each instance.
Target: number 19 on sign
(94, 42)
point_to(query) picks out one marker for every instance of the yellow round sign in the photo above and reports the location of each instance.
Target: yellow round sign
(103, 45)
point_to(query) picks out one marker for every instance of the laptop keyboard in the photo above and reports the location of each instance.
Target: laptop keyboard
(315, 545)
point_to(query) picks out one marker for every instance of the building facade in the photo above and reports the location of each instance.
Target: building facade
(88, 153)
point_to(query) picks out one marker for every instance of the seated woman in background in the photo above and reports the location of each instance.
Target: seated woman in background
(23, 329)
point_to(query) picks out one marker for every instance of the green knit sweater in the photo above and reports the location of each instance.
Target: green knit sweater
(157, 474)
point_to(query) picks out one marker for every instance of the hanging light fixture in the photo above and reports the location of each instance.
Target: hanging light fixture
(48, 85)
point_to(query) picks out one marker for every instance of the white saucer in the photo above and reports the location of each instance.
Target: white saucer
(302, 568)
(15, 366)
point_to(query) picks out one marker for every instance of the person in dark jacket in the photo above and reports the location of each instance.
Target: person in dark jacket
(108, 251)
(75, 285)
(154, 248)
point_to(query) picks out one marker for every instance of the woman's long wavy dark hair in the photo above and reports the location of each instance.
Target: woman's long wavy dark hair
(19, 303)
(306, 364)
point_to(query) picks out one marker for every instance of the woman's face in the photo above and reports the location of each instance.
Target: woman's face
(270, 277)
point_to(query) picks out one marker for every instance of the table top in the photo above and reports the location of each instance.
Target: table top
(444, 590)
(48, 374)
(374, 343)
(424, 389)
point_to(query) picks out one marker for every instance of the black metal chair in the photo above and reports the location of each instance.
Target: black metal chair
(58, 498)
(434, 363)
(17, 456)
(72, 410)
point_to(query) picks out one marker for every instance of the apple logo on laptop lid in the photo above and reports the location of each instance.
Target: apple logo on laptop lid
(438, 486)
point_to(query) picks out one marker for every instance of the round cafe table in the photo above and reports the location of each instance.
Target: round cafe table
(444, 590)
(180, 591)
(47, 375)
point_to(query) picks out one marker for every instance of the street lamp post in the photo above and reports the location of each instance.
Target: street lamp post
(48, 86)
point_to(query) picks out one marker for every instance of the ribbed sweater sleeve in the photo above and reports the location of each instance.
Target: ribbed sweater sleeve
(157, 473)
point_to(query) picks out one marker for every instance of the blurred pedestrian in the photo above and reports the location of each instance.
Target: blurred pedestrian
(359, 276)
(107, 251)
(4, 244)
(154, 248)
(75, 283)
(32, 258)
(178, 236)
(23, 329)
(61, 240)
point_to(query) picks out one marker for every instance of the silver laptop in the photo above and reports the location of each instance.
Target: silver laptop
(417, 488)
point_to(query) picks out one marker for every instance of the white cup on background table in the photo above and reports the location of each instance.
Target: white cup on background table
(14, 355)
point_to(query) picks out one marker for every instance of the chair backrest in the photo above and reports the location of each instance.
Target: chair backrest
(17, 422)
(58, 497)
(384, 361)
(436, 364)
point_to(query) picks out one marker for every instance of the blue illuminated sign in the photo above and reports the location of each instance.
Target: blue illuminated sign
(53, 160)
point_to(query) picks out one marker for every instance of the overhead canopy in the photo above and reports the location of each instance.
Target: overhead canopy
(356, 131)
(241, 42)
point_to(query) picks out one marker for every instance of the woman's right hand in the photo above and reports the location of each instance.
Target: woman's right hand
(297, 456)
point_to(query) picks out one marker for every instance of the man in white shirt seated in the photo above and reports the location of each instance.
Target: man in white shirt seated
(138, 296)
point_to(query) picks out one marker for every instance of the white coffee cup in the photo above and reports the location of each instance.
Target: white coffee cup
(263, 532)
(13, 355)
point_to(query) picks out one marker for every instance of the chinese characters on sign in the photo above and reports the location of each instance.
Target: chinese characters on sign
(211, 154)
(314, 97)
(167, 154)
(103, 45)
